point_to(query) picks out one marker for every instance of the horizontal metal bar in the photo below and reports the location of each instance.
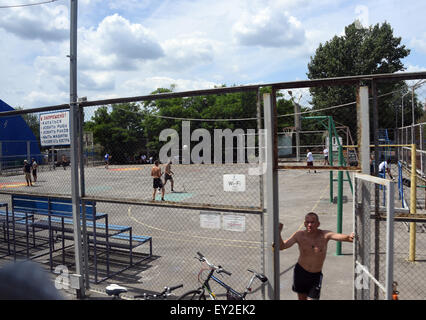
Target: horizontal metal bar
(403, 217)
(277, 86)
(167, 204)
(178, 205)
(402, 211)
(380, 145)
(373, 179)
(320, 168)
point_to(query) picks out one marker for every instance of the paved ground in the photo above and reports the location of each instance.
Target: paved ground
(300, 192)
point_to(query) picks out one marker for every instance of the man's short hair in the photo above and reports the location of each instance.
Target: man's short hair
(312, 214)
(156, 162)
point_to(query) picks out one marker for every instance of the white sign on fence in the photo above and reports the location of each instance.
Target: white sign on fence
(234, 182)
(55, 128)
(233, 222)
(210, 220)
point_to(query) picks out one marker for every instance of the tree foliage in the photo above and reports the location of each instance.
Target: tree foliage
(128, 130)
(360, 51)
(119, 131)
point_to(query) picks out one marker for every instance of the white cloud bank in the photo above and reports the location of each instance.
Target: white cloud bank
(269, 28)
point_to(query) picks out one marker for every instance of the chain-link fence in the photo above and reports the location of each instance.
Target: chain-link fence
(388, 257)
(205, 194)
(373, 273)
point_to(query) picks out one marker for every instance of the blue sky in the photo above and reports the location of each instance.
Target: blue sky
(131, 47)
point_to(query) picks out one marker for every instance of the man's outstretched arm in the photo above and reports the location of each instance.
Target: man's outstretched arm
(340, 236)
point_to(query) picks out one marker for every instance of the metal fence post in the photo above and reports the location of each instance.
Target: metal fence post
(413, 200)
(390, 240)
(376, 187)
(74, 148)
(272, 209)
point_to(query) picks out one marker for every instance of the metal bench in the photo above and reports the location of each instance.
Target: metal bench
(20, 221)
(121, 237)
(54, 214)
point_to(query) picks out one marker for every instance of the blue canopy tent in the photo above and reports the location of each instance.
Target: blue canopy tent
(17, 141)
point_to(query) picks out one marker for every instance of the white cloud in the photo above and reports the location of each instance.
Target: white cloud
(419, 43)
(96, 81)
(268, 27)
(187, 51)
(131, 47)
(129, 4)
(46, 23)
(117, 44)
(38, 98)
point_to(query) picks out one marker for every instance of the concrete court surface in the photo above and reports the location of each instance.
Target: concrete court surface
(299, 192)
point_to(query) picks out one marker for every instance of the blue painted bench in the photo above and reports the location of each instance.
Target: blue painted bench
(55, 215)
(50, 207)
(123, 239)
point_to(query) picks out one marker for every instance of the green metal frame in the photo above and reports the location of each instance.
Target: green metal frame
(342, 162)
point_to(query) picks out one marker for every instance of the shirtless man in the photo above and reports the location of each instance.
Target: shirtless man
(168, 174)
(312, 243)
(157, 183)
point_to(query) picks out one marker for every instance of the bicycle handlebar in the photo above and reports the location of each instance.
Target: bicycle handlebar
(218, 269)
(173, 288)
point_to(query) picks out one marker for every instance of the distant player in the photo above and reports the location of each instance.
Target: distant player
(325, 152)
(34, 166)
(64, 161)
(157, 183)
(106, 157)
(27, 172)
(310, 160)
(384, 168)
(168, 174)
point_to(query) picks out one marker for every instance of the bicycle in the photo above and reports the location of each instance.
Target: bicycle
(231, 294)
(115, 291)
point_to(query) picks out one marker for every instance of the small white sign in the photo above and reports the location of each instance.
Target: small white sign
(234, 182)
(209, 220)
(233, 222)
(55, 128)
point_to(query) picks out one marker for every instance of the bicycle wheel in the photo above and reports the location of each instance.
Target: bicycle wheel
(193, 295)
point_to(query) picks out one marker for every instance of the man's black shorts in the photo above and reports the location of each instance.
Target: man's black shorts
(167, 177)
(157, 183)
(308, 283)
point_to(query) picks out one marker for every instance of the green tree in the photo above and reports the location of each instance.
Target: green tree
(360, 51)
(119, 131)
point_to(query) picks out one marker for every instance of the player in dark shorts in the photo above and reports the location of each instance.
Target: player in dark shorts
(157, 183)
(312, 244)
(168, 174)
(307, 283)
(27, 172)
